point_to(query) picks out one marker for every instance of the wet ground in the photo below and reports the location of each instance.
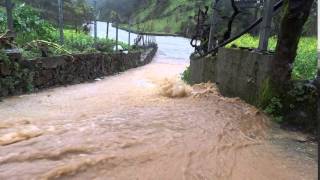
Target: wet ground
(134, 126)
(126, 127)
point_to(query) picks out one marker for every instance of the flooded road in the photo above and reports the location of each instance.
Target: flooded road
(128, 127)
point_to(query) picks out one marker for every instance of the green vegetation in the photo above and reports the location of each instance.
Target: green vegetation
(186, 75)
(305, 66)
(171, 16)
(19, 76)
(177, 16)
(298, 107)
(38, 37)
(76, 12)
(33, 33)
(274, 109)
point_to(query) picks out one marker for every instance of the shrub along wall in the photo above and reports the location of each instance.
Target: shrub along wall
(19, 76)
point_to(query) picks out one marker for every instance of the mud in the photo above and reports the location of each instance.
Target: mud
(142, 124)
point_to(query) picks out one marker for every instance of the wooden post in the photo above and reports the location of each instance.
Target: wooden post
(95, 24)
(9, 7)
(60, 21)
(266, 25)
(107, 36)
(117, 29)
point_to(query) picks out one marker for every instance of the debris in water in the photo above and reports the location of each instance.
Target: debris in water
(5, 125)
(174, 88)
(14, 137)
(204, 89)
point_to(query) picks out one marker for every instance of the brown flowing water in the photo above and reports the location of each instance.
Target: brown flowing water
(140, 125)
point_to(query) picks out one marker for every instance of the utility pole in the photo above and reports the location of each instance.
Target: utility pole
(117, 33)
(129, 38)
(95, 23)
(60, 20)
(266, 25)
(107, 36)
(9, 8)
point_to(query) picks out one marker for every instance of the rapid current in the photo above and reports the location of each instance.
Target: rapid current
(142, 124)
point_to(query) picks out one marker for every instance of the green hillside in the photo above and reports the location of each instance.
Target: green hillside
(177, 16)
(166, 16)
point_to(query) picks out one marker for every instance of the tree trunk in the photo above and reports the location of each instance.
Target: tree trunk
(297, 12)
(318, 114)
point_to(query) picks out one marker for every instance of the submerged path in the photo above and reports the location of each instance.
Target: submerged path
(121, 127)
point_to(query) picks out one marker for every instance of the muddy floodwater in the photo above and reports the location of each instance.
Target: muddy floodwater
(143, 124)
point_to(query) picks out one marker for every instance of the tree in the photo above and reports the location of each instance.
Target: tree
(76, 12)
(82, 13)
(296, 15)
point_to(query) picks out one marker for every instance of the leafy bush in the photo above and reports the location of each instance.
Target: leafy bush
(105, 45)
(19, 78)
(75, 41)
(274, 109)
(28, 24)
(30, 28)
(185, 76)
(305, 65)
(4, 57)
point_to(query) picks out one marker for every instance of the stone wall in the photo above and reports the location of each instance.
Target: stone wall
(22, 76)
(245, 74)
(237, 72)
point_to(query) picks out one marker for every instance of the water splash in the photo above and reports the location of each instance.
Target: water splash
(174, 88)
(22, 134)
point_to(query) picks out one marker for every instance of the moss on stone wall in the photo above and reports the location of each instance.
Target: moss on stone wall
(19, 76)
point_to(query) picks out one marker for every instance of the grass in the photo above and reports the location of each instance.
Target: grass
(164, 25)
(74, 42)
(170, 20)
(78, 42)
(305, 65)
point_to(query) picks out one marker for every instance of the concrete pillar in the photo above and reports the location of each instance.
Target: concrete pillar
(196, 70)
(266, 25)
